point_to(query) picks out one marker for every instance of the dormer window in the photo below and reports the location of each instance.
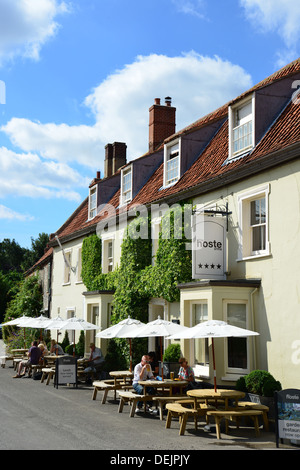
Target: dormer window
(93, 202)
(126, 185)
(172, 163)
(241, 127)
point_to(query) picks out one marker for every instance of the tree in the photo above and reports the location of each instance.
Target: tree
(11, 256)
(38, 246)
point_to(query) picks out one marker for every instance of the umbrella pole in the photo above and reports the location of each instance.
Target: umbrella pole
(214, 364)
(130, 355)
(161, 358)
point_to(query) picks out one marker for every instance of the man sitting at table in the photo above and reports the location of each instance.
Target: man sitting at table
(34, 355)
(143, 371)
(95, 361)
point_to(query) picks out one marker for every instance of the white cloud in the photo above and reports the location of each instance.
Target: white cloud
(120, 105)
(27, 175)
(60, 142)
(282, 17)
(190, 7)
(197, 85)
(9, 214)
(26, 25)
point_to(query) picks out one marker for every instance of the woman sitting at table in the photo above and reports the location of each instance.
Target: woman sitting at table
(187, 373)
(56, 348)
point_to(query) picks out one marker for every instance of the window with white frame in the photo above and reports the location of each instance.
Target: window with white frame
(79, 265)
(253, 223)
(126, 185)
(108, 255)
(93, 202)
(199, 315)
(172, 163)
(241, 128)
(67, 267)
(258, 221)
(237, 348)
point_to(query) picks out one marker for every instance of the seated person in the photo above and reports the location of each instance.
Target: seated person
(143, 371)
(154, 363)
(187, 373)
(44, 351)
(95, 361)
(34, 355)
(56, 349)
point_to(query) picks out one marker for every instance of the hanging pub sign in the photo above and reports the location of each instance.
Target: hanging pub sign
(208, 247)
(65, 371)
(287, 414)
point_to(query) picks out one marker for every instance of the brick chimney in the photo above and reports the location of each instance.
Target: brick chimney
(115, 158)
(161, 122)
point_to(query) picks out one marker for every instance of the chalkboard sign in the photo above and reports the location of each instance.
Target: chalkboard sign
(65, 371)
(287, 414)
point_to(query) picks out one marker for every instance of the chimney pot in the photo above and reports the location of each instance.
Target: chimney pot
(161, 122)
(98, 175)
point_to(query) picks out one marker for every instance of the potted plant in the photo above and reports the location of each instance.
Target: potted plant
(171, 357)
(259, 387)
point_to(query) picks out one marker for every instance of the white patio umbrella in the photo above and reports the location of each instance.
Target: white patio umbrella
(55, 324)
(20, 322)
(214, 329)
(123, 329)
(76, 324)
(38, 322)
(161, 328)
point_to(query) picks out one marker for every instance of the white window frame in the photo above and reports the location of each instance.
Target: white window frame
(92, 202)
(172, 156)
(108, 261)
(67, 267)
(233, 126)
(233, 371)
(245, 228)
(126, 193)
(204, 367)
(79, 265)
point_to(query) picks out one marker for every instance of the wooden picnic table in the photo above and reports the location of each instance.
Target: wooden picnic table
(164, 384)
(124, 375)
(19, 351)
(219, 395)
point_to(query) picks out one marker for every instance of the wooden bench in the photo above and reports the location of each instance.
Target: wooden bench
(183, 413)
(234, 415)
(47, 372)
(133, 398)
(3, 360)
(162, 400)
(106, 386)
(17, 360)
(249, 405)
(32, 369)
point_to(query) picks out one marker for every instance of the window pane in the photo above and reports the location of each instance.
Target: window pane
(200, 314)
(257, 222)
(237, 347)
(259, 238)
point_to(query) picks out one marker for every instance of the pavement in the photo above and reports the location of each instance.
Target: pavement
(42, 417)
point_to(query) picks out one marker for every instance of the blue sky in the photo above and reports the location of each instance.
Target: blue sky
(80, 74)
